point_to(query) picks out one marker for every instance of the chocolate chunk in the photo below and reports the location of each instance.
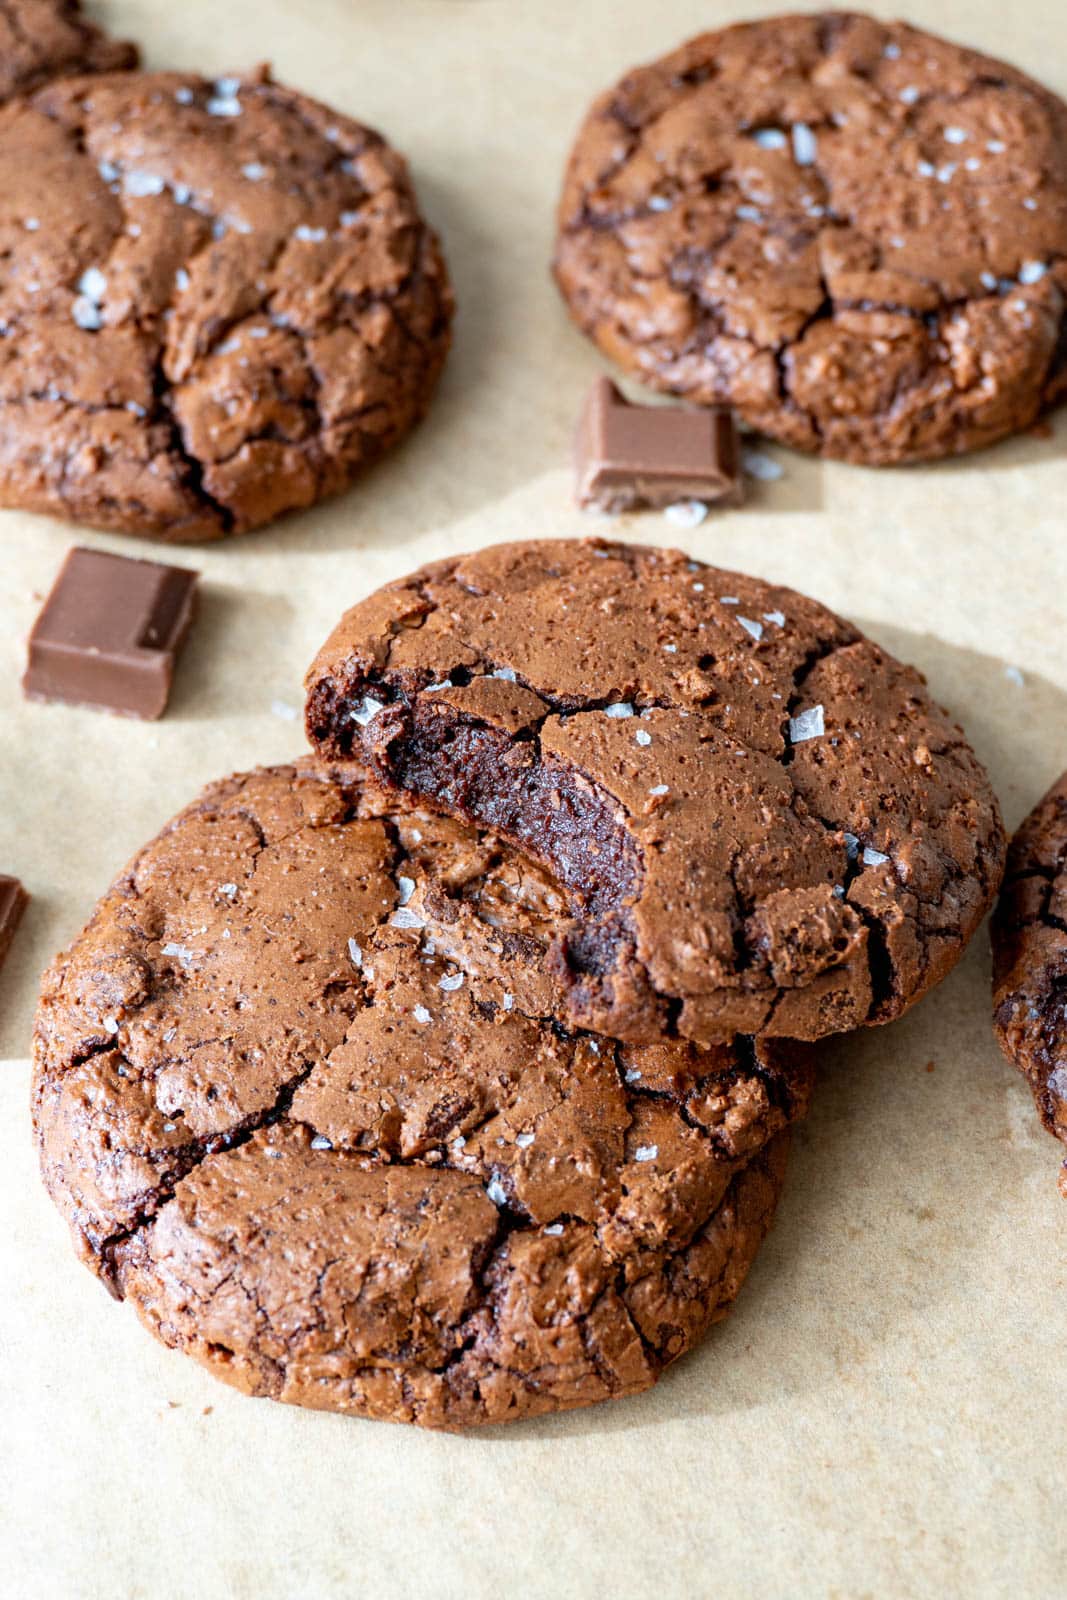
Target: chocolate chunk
(13, 902)
(109, 634)
(628, 456)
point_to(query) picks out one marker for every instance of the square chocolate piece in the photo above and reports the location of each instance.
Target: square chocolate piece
(13, 902)
(109, 634)
(628, 456)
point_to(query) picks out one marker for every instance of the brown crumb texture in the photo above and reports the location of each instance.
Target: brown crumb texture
(756, 820)
(220, 303)
(851, 231)
(342, 1170)
(1029, 937)
(45, 39)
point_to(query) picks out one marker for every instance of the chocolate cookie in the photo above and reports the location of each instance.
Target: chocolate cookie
(322, 1158)
(45, 39)
(220, 302)
(761, 822)
(852, 232)
(1029, 936)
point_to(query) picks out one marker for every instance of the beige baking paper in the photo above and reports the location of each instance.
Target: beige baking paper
(884, 1414)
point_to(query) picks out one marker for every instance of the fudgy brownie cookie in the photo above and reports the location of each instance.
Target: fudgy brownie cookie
(1029, 936)
(851, 231)
(325, 1160)
(220, 299)
(45, 39)
(761, 822)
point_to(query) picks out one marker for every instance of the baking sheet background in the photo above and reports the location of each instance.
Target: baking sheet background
(884, 1413)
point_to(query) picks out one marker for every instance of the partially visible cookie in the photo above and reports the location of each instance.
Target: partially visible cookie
(45, 39)
(1029, 936)
(756, 819)
(340, 1170)
(220, 299)
(852, 232)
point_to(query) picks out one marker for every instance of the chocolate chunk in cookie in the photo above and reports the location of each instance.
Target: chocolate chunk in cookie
(759, 820)
(1029, 936)
(345, 1172)
(220, 302)
(852, 232)
(45, 39)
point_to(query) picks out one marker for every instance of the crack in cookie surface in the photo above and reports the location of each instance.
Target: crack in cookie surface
(220, 304)
(854, 234)
(759, 821)
(344, 1170)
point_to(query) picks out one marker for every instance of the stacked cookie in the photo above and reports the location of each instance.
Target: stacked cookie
(447, 1075)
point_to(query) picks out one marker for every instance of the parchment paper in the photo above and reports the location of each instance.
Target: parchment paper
(884, 1413)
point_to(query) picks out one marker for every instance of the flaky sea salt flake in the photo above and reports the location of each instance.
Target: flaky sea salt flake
(404, 918)
(367, 710)
(87, 314)
(805, 145)
(686, 513)
(809, 724)
(93, 284)
(141, 185)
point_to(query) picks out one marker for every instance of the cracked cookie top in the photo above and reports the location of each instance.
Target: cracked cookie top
(342, 1171)
(219, 303)
(757, 820)
(1029, 935)
(852, 232)
(45, 39)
